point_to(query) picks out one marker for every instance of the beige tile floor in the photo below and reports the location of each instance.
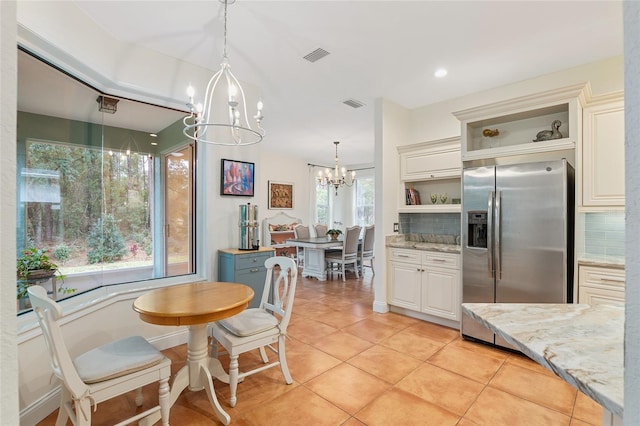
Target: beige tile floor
(352, 366)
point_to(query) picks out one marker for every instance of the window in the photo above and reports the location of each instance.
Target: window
(322, 204)
(365, 200)
(94, 188)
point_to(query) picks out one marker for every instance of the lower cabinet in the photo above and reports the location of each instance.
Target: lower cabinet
(598, 285)
(245, 267)
(427, 282)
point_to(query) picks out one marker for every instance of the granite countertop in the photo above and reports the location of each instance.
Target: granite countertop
(603, 261)
(440, 243)
(583, 344)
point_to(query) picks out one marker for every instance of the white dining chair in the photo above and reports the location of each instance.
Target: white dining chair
(349, 253)
(102, 373)
(321, 230)
(259, 328)
(365, 252)
(301, 232)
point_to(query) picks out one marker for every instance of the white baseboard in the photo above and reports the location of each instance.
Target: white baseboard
(380, 307)
(426, 317)
(48, 403)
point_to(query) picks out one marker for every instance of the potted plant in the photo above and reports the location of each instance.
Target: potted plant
(34, 266)
(333, 233)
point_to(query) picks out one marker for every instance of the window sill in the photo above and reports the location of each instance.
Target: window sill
(85, 303)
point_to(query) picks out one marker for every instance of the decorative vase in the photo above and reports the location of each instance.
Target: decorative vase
(334, 236)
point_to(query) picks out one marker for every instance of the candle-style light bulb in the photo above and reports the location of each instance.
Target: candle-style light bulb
(260, 105)
(191, 91)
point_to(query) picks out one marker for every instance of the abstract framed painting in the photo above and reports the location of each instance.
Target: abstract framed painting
(237, 178)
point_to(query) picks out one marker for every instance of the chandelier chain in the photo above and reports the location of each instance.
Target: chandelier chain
(225, 29)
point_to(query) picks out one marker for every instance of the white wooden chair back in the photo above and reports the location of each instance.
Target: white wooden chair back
(350, 248)
(282, 288)
(302, 231)
(49, 313)
(367, 241)
(321, 230)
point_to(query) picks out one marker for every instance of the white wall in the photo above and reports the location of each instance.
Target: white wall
(290, 169)
(8, 101)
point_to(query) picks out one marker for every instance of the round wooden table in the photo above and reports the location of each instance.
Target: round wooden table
(194, 305)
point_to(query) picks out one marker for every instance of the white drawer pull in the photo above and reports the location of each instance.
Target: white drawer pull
(439, 260)
(403, 255)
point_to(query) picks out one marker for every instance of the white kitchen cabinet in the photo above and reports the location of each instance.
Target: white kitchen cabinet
(603, 153)
(509, 127)
(430, 160)
(599, 285)
(430, 168)
(427, 282)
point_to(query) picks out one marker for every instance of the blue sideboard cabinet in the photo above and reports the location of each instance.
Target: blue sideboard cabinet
(246, 267)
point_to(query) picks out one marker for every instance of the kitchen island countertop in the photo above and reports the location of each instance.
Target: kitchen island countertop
(583, 344)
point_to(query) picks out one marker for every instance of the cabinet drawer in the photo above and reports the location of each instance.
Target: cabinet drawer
(405, 255)
(602, 277)
(246, 261)
(442, 260)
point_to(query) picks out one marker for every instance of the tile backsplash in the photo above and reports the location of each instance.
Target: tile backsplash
(603, 234)
(430, 223)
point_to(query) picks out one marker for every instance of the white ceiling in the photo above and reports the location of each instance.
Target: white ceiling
(386, 49)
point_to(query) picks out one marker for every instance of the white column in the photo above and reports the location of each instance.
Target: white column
(631, 15)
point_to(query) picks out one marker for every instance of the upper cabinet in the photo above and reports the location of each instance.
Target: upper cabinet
(430, 176)
(603, 153)
(543, 122)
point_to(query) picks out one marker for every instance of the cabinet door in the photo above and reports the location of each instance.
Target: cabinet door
(436, 160)
(441, 293)
(603, 155)
(404, 285)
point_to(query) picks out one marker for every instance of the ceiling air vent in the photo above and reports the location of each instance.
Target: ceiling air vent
(316, 55)
(353, 103)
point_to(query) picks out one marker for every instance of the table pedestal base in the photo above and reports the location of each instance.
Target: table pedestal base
(196, 374)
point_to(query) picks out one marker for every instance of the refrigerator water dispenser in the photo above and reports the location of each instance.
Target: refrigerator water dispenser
(477, 221)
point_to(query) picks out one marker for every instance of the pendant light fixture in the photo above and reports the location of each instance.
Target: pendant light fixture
(336, 179)
(230, 124)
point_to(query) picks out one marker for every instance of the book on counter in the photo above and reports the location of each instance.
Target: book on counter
(412, 197)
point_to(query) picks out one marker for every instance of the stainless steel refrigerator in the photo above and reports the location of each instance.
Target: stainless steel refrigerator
(517, 237)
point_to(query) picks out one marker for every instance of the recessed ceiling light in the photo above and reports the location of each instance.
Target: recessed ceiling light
(440, 73)
(153, 135)
(154, 143)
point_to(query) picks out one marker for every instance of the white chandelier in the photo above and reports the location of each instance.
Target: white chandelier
(336, 180)
(238, 128)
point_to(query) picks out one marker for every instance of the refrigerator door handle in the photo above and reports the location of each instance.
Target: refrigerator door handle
(490, 233)
(498, 248)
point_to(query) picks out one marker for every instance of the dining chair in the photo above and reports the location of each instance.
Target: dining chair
(348, 254)
(301, 232)
(259, 328)
(365, 251)
(321, 230)
(101, 373)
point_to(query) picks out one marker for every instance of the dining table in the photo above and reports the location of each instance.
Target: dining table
(314, 254)
(194, 305)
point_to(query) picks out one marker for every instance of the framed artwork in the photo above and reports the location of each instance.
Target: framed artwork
(280, 195)
(237, 178)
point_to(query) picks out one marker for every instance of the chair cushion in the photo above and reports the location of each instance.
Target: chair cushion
(117, 359)
(250, 322)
